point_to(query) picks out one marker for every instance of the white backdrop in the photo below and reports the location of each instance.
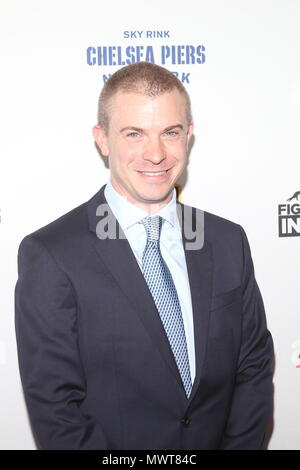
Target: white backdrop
(246, 104)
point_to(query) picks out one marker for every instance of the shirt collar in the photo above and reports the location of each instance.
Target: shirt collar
(129, 214)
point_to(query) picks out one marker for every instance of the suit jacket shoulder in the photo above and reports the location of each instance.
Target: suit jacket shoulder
(68, 229)
(218, 231)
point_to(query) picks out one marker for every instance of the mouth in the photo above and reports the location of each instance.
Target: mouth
(154, 173)
(154, 176)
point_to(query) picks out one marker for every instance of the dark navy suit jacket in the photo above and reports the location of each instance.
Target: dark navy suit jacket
(96, 366)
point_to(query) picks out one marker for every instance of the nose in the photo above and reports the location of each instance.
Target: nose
(154, 151)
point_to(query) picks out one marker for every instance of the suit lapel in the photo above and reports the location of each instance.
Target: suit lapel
(116, 253)
(200, 269)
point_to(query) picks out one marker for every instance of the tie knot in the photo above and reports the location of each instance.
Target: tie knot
(153, 227)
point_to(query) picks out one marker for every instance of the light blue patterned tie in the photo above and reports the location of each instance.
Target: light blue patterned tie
(162, 288)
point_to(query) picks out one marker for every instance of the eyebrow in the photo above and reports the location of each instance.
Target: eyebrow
(139, 129)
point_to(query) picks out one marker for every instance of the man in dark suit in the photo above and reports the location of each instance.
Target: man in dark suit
(139, 322)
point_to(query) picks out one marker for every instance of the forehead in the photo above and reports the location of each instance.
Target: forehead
(135, 109)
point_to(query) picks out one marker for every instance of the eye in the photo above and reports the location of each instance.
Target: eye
(171, 133)
(133, 134)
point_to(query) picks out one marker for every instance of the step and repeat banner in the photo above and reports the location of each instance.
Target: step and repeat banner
(240, 62)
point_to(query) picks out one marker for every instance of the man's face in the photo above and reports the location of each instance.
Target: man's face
(146, 144)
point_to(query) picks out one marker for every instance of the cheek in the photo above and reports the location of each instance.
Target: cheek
(131, 153)
(176, 149)
(122, 155)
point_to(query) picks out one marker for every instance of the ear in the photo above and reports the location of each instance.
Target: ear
(101, 140)
(190, 132)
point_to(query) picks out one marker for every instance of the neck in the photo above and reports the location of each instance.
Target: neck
(151, 207)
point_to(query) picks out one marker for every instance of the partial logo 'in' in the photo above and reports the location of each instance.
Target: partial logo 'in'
(295, 357)
(289, 217)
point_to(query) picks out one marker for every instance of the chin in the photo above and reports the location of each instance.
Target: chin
(156, 196)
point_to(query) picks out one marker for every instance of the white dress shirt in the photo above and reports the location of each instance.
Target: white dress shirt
(128, 216)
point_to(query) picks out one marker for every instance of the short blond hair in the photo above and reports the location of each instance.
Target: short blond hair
(143, 78)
